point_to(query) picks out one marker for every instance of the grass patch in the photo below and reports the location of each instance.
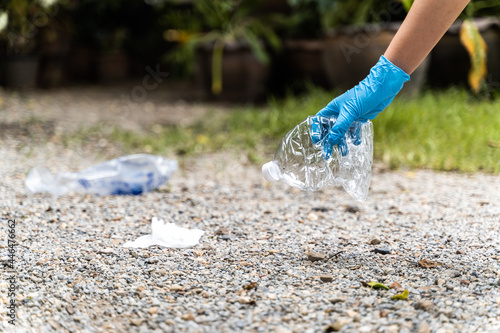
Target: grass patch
(449, 130)
(252, 129)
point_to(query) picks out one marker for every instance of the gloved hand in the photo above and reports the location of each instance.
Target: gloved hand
(364, 101)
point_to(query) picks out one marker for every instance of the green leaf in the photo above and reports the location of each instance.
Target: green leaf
(407, 4)
(256, 46)
(403, 295)
(377, 285)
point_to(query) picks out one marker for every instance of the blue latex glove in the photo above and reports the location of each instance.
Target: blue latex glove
(364, 101)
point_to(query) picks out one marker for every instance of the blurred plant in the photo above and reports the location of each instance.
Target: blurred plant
(482, 8)
(471, 38)
(303, 21)
(339, 13)
(111, 41)
(20, 20)
(101, 24)
(407, 4)
(315, 17)
(218, 23)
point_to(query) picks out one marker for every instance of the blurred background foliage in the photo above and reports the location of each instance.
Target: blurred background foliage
(293, 55)
(172, 32)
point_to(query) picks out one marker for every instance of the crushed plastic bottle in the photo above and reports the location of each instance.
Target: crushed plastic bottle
(310, 166)
(127, 175)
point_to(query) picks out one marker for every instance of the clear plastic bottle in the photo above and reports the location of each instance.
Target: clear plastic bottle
(310, 166)
(129, 175)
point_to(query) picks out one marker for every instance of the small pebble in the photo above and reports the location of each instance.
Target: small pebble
(423, 327)
(152, 260)
(188, 316)
(352, 209)
(326, 278)
(338, 324)
(222, 231)
(136, 321)
(395, 285)
(315, 256)
(106, 251)
(423, 304)
(452, 273)
(383, 250)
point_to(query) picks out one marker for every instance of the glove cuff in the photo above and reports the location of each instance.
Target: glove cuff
(383, 61)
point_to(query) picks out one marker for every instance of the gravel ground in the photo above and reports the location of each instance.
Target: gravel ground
(253, 270)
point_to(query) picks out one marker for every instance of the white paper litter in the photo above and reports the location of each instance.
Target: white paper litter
(168, 235)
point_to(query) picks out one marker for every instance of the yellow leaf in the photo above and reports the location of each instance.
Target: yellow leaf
(376, 285)
(475, 45)
(179, 36)
(202, 139)
(403, 295)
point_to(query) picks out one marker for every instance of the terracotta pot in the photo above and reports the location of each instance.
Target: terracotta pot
(244, 78)
(304, 62)
(21, 72)
(351, 52)
(450, 63)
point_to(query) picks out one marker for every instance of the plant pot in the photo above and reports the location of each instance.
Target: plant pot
(244, 78)
(450, 62)
(351, 52)
(304, 62)
(21, 72)
(112, 67)
(54, 45)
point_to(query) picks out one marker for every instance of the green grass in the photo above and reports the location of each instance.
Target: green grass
(449, 130)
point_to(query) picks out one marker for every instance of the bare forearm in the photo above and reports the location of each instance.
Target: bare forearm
(425, 24)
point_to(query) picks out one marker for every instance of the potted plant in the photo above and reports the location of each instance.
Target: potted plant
(228, 49)
(84, 48)
(112, 62)
(21, 21)
(469, 52)
(101, 31)
(357, 34)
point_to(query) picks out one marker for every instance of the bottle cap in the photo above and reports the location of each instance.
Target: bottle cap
(271, 171)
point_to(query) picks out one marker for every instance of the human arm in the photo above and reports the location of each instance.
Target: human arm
(425, 24)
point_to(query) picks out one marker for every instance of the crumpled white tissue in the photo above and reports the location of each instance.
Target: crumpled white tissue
(168, 235)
